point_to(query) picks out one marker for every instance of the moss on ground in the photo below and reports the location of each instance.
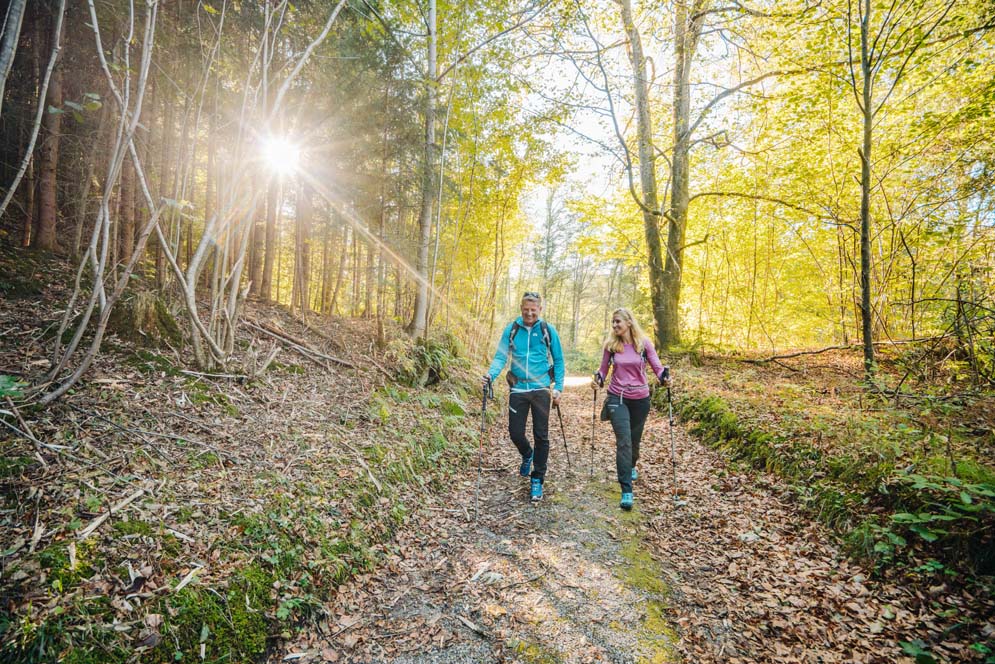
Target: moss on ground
(641, 572)
(533, 652)
(233, 626)
(24, 273)
(143, 316)
(201, 392)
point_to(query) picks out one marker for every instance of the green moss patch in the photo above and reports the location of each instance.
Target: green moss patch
(535, 653)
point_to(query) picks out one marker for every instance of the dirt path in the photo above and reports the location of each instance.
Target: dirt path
(735, 575)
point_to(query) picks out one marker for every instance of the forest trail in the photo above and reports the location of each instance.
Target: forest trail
(736, 574)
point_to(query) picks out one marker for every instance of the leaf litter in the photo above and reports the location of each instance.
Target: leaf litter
(737, 574)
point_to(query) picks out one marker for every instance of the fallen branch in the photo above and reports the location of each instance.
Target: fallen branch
(138, 433)
(362, 462)
(898, 342)
(96, 523)
(188, 578)
(25, 434)
(528, 581)
(214, 375)
(469, 623)
(299, 345)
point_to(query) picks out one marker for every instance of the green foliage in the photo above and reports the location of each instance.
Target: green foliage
(63, 572)
(952, 517)
(11, 387)
(133, 527)
(11, 466)
(201, 392)
(21, 273)
(427, 361)
(61, 639)
(232, 627)
(918, 650)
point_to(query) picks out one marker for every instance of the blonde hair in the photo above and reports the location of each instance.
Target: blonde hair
(615, 343)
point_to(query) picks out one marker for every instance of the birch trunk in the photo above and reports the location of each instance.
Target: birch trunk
(8, 46)
(419, 322)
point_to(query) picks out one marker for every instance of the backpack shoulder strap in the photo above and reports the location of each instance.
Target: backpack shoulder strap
(545, 337)
(511, 335)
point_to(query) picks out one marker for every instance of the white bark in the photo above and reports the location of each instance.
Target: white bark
(8, 46)
(42, 96)
(419, 323)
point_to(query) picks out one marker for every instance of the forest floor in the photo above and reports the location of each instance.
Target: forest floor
(323, 512)
(734, 573)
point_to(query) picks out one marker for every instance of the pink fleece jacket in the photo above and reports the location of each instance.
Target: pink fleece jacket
(629, 375)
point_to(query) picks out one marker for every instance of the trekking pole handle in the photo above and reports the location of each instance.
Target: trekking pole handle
(666, 374)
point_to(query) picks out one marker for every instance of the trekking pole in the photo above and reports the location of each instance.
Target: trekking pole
(488, 392)
(594, 417)
(563, 431)
(673, 448)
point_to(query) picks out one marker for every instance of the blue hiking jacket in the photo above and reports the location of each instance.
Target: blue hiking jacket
(530, 362)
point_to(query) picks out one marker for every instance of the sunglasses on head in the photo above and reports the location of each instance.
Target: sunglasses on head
(531, 295)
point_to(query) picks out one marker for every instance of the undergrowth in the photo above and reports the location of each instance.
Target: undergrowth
(890, 486)
(272, 566)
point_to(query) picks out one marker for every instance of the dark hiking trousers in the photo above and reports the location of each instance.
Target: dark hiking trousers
(519, 406)
(628, 416)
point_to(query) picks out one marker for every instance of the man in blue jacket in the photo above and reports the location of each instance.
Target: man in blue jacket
(529, 342)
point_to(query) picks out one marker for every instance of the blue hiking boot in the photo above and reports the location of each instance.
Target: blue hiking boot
(536, 494)
(526, 466)
(626, 502)
(635, 473)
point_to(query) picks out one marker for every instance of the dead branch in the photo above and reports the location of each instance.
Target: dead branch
(28, 436)
(200, 374)
(96, 523)
(896, 342)
(297, 344)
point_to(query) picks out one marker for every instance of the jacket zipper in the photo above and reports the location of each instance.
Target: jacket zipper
(528, 349)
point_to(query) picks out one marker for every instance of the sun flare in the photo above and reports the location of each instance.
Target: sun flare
(281, 155)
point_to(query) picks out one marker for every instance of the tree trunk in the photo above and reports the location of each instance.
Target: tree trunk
(30, 214)
(687, 30)
(269, 259)
(664, 292)
(419, 322)
(326, 263)
(356, 261)
(865, 194)
(165, 160)
(257, 234)
(209, 181)
(48, 164)
(40, 112)
(126, 211)
(343, 256)
(371, 277)
(8, 46)
(302, 253)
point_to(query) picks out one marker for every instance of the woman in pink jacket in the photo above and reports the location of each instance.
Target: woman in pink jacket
(626, 352)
